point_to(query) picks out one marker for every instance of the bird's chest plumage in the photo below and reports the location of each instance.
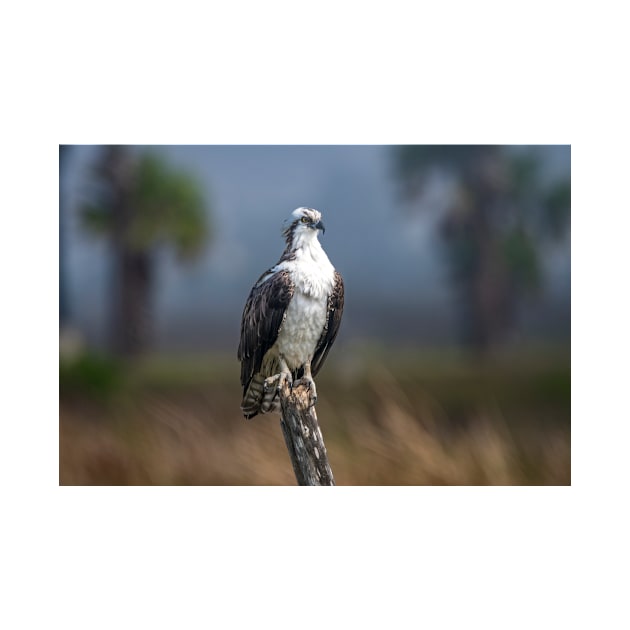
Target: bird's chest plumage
(302, 328)
(307, 312)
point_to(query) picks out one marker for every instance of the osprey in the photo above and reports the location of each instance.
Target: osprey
(291, 317)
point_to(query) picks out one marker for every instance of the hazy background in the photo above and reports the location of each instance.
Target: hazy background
(389, 258)
(452, 364)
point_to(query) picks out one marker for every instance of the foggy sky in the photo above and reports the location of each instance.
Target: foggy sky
(391, 263)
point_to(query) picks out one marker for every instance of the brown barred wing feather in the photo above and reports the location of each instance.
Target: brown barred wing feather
(335, 311)
(264, 313)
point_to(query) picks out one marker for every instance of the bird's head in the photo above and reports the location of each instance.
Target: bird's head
(302, 226)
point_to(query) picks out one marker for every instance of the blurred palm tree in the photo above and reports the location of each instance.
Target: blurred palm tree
(140, 204)
(500, 215)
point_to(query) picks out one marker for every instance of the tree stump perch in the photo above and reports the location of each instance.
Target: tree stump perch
(303, 438)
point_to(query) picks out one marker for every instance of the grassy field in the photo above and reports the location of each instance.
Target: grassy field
(394, 420)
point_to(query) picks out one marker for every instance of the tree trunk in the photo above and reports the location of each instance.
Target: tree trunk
(304, 439)
(133, 267)
(473, 243)
(132, 317)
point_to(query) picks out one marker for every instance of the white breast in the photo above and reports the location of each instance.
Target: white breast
(302, 328)
(313, 277)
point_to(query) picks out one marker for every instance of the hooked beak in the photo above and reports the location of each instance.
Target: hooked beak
(320, 226)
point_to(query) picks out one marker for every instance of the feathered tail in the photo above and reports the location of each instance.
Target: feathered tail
(256, 400)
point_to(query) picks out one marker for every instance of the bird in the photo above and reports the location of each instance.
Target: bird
(291, 317)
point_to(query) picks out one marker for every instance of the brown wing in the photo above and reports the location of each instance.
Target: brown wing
(335, 310)
(263, 316)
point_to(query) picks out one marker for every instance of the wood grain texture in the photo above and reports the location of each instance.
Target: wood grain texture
(303, 438)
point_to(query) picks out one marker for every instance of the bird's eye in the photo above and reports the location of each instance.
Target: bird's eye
(304, 220)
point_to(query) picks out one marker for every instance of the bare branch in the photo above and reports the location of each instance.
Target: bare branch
(303, 438)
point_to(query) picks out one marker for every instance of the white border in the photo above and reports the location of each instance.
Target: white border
(271, 72)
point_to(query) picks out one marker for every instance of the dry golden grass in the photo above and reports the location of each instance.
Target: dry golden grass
(378, 431)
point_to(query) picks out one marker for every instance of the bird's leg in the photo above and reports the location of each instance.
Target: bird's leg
(307, 379)
(278, 380)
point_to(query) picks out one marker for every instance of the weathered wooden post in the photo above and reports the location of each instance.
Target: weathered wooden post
(303, 438)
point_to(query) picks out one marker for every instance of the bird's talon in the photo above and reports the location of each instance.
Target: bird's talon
(309, 383)
(284, 377)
